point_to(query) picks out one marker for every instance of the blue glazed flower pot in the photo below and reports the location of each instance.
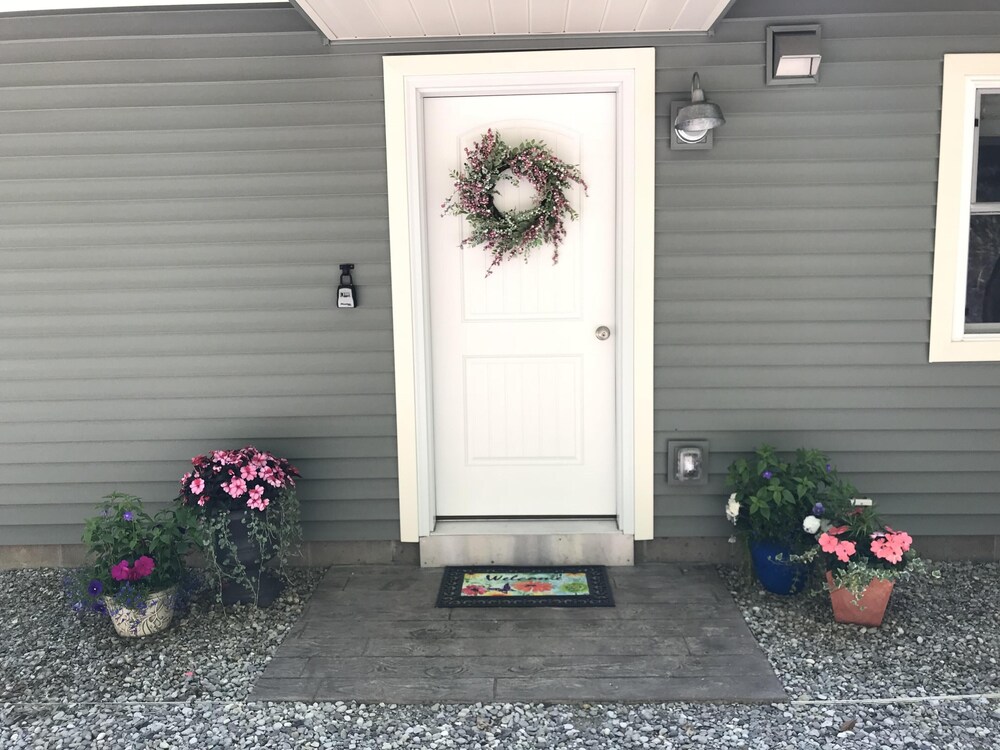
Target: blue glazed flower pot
(779, 576)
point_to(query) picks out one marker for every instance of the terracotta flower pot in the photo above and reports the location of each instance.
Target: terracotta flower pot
(870, 607)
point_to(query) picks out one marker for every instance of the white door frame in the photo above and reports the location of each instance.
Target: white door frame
(408, 80)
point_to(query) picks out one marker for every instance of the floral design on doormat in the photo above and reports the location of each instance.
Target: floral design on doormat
(532, 583)
(525, 586)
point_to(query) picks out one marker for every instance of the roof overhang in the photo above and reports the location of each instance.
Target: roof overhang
(345, 20)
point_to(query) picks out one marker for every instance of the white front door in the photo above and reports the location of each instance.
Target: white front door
(524, 391)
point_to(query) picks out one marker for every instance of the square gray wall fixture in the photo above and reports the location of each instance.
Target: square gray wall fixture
(793, 55)
(687, 463)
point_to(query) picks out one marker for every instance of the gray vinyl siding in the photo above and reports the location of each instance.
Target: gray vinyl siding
(178, 187)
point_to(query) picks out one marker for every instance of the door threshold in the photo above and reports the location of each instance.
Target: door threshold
(465, 526)
(548, 541)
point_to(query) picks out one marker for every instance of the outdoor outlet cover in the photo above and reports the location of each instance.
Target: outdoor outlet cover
(687, 462)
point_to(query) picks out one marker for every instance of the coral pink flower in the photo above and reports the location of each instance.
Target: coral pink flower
(248, 472)
(473, 590)
(202, 500)
(837, 530)
(845, 550)
(235, 487)
(828, 543)
(257, 492)
(197, 485)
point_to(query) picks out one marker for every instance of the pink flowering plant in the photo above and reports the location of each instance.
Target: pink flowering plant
(253, 488)
(856, 546)
(134, 556)
(513, 233)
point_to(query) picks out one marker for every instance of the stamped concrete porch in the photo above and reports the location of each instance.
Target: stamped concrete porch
(373, 634)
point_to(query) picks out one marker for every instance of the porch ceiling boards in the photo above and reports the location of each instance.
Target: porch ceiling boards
(373, 634)
(387, 19)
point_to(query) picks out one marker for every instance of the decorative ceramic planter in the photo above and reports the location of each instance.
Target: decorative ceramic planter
(264, 586)
(774, 570)
(137, 623)
(870, 606)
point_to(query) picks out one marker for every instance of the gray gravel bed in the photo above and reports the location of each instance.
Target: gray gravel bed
(940, 636)
(48, 652)
(964, 725)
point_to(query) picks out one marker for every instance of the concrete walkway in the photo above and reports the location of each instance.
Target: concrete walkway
(372, 633)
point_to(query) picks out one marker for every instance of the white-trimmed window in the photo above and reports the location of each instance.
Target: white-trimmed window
(965, 307)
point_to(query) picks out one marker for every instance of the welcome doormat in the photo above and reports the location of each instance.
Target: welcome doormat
(534, 586)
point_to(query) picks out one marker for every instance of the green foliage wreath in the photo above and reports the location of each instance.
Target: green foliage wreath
(514, 233)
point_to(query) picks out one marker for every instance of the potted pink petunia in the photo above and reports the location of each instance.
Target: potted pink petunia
(249, 509)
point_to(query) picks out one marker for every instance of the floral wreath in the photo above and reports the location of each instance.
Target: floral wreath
(514, 233)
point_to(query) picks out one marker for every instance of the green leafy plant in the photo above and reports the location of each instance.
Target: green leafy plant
(772, 496)
(132, 554)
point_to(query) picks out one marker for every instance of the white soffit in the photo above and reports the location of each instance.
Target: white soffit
(24, 6)
(386, 19)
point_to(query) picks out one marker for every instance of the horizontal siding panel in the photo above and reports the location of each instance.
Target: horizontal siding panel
(220, 344)
(192, 164)
(227, 430)
(816, 219)
(741, 355)
(791, 333)
(150, 23)
(205, 186)
(796, 287)
(272, 407)
(892, 505)
(303, 228)
(371, 256)
(847, 171)
(798, 241)
(829, 124)
(318, 472)
(778, 310)
(874, 25)
(196, 360)
(881, 442)
(194, 210)
(125, 323)
(845, 397)
(181, 386)
(797, 196)
(279, 60)
(232, 116)
(750, 378)
(724, 263)
(820, 417)
(216, 93)
(179, 141)
(87, 494)
(179, 452)
(122, 51)
(765, 149)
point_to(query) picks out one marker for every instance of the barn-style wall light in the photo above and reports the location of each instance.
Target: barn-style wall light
(694, 121)
(793, 55)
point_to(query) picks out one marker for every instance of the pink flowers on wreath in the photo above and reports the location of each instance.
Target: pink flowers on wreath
(142, 567)
(246, 477)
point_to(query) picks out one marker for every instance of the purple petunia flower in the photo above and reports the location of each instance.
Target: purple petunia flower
(829, 467)
(767, 474)
(128, 515)
(96, 588)
(818, 509)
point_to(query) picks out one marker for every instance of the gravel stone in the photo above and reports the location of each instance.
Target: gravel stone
(940, 636)
(68, 687)
(49, 653)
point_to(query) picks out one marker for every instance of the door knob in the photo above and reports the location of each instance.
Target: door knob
(603, 333)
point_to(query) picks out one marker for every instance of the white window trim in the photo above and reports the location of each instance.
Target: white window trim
(964, 75)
